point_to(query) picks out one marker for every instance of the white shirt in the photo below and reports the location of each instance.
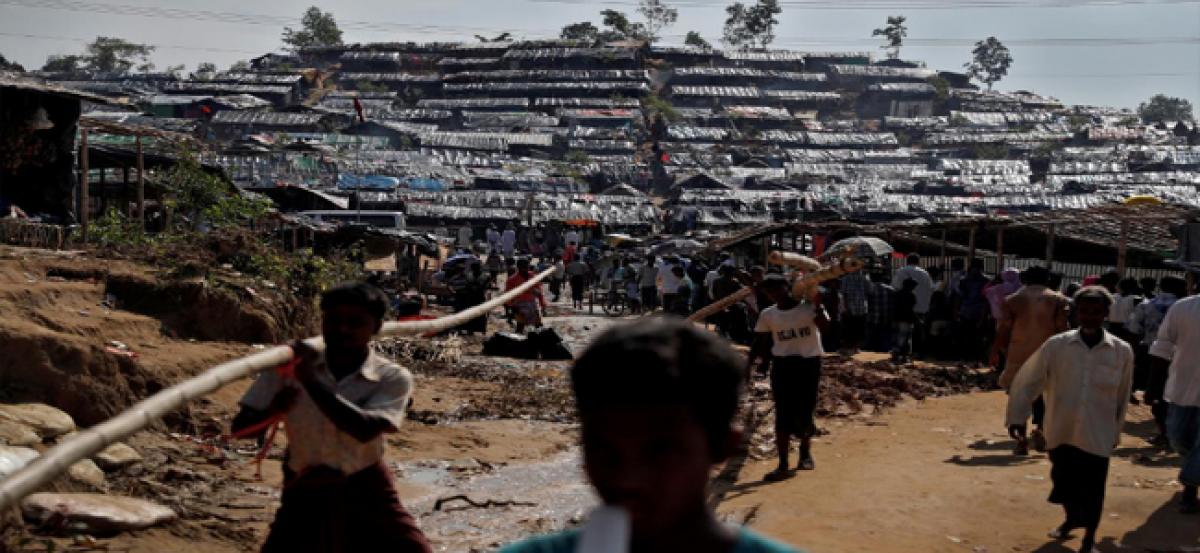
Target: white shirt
(508, 240)
(924, 290)
(709, 279)
(669, 282)
(1086, 391)
(493, 237)
(1179, 342)
(381, 387)
(793, 331)
(464, 236)
(1122, 307)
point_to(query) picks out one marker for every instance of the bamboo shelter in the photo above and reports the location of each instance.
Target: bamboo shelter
(58, 459)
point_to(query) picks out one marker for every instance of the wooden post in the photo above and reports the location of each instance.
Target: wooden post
(971, 246)
(84, 200)
(942, 254)
(1122, 246)
(141, 185)
(999, 250)
(1050, 247)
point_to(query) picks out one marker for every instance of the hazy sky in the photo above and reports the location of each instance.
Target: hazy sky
(1109, 52)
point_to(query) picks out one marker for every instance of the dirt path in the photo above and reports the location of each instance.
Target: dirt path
(938, 476)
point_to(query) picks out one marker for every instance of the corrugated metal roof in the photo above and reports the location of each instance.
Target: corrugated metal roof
(550, 75)
(748, 73)
(560, 53)
(588, 102)
(266, 118)
(881, 71)
(623, 86)
(772, 56)
(395, 77)
(452, 103)
(716, 91)
(803, 96)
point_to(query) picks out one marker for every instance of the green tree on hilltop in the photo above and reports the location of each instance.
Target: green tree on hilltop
(894, 32)
(751, 27)
(317, 28)
(990, 61)
(1166, 108)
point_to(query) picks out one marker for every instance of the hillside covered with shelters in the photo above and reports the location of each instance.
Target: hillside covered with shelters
(639, 138)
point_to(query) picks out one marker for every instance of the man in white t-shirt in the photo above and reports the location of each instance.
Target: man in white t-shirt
(668, 283)
(789, 333)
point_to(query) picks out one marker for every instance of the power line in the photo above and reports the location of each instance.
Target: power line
(159, 12)
(156, 46)
(844, 5)
(382, 26)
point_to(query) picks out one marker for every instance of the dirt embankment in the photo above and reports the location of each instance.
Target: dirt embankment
(92, 336)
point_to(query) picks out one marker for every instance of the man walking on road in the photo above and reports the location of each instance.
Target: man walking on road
(1179, 343)
(1085, 376)
(789, 333)
(1027, 319)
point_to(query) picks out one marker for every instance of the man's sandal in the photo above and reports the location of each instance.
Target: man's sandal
(777, 475)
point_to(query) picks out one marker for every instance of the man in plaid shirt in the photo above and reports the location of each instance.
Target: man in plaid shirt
(879, 313)
(854, 295)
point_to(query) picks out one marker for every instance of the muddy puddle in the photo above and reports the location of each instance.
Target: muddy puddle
(471, 507)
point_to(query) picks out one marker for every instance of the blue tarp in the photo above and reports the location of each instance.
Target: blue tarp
(366, 182)
(417, 183)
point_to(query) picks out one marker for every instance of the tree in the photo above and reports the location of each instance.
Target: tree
(894, 33)
(175, 71)
(204, 71)
(117, 55)
(751, 27)
(991, 60)
(1166, 108)
(584, 30)
(317, 28)
(239, 66)
(69, 63)
(502, 37)
(620, 28)
(6, 65)
(658, 17)
(694, 39)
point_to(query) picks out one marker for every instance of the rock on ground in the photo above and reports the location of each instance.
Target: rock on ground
(86, 472)
(17, 434)
(116, 457)
(44, 419)
(94, 513)
(13, 458)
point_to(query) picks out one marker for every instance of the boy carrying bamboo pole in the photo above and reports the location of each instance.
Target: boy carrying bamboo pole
(338, 494)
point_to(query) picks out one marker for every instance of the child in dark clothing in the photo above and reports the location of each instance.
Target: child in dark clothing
(906, 317)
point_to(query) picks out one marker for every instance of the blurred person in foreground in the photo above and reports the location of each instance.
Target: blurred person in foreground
(1085, 376)
(337, 492)
(656, 405)
(1145, 320)
(1176, 355)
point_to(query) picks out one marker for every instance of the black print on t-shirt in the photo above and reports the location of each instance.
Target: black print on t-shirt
(793, 333)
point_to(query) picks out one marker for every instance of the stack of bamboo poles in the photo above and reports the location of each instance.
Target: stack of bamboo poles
(813, 273)
(87, 443)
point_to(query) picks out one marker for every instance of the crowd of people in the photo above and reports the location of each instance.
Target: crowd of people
(1070, 358)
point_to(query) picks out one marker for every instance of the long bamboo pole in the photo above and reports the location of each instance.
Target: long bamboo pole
(86, 443)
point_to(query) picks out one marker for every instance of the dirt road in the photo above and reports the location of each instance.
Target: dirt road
(938, 476)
